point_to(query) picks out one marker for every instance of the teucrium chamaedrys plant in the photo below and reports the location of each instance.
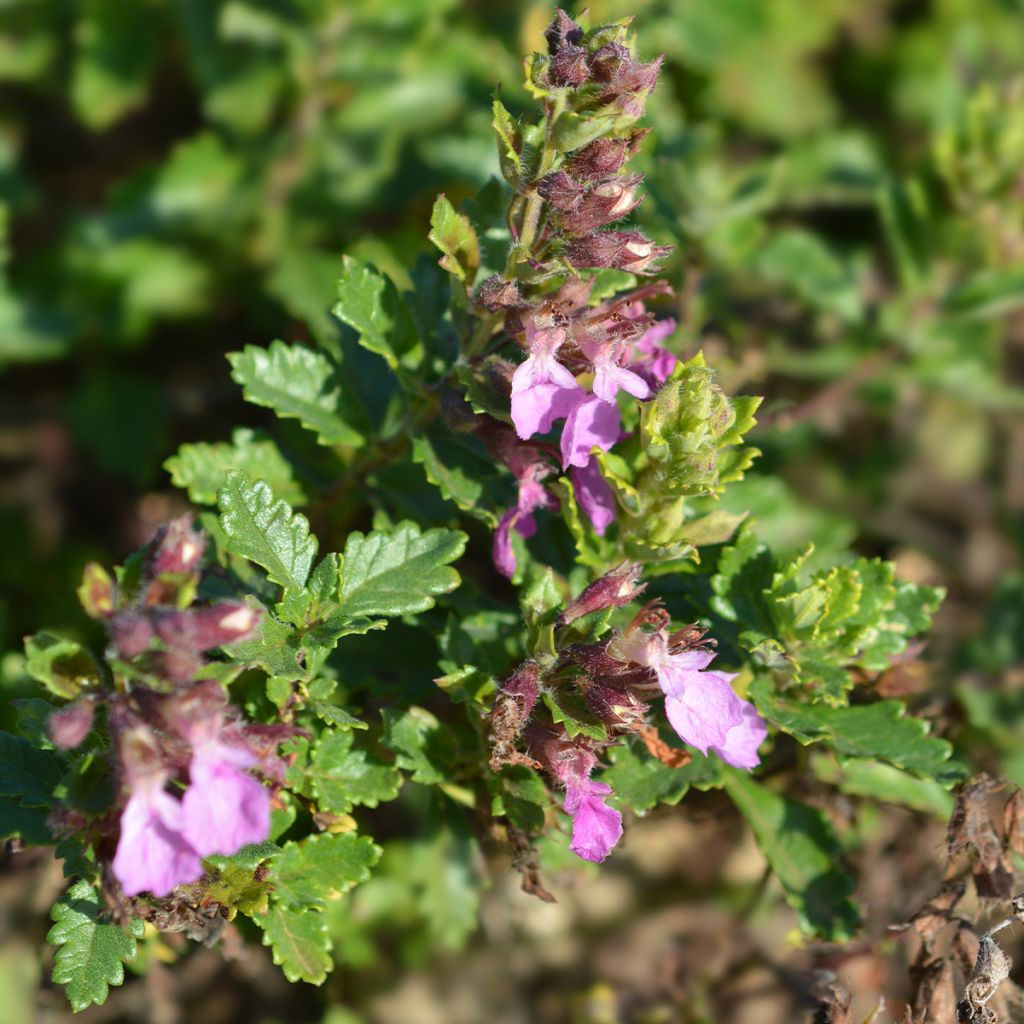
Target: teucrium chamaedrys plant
(218, 764)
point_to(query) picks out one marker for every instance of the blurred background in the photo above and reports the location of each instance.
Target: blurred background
(844, 182)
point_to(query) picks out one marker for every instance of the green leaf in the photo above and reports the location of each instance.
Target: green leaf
(342, 776)
(297, 383)
(400, 571)
(423, 746)
(28, 823)
(90, 955)
(28, 773)
(568, 708)
(64, 667)
(520, 795)
(884, 784)
(276, 647)
(299, 943)
(881, 731)
(460, 468)
(641, 781)
(369, 302)
(265, 530)
(333, 715)
(453, 234)
(988, 294)
(309, 873)
(803, 852)
(510, 142)
(202, 468)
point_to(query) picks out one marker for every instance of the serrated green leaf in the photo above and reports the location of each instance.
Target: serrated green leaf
(423, 746)
(299, 943)
(881, 731)
(308, 873)
(202, 468)
(460, 469)
(884, 784)
(64, 667)
(521, 796)
(90, 955)
(510, 142)
(369, 302)
(803, 852)
(641, 781)
(265, 530)
(276, 647)
(333, 715)
(297, 383)
(453, 234)
(400, 571)
(342, 776)
(27, 773)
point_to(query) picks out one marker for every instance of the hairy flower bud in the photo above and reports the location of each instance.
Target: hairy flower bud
(604, 157)
(610, 63)
(130, 634)
(569, 67)
(499, 293)
(200, 629)
(610, 201)
(616, 707)
(512, 709)
(617, 587)
(623, 250)
(561, 191)
(69, 725)
(563, 31)
(177, 547)
(600, 664)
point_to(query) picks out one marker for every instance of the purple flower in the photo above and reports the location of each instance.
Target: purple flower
(224, 808)
(701, 705)
(742, 741)
(593, 423)
(596, 827)
(651, 361)
(152, 854)
(543, 390)
(610, 378)
(594, 496)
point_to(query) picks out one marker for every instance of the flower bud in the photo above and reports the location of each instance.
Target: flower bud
(615, 706)
(568, 67)
(69, 725)
(177, 547)
(611, 63)
(200, 629)
(512, 709)
(623, 250)
(561, 191)
(130, 634)
(498, 293)
(603, 157)
(563, 31)
(605, 666)
(97, 592)
(616, 588)
(610, 201)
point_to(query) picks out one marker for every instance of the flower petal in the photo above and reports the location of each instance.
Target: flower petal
(592, 423)
(152, 855)
(594, 496)
(223, 809)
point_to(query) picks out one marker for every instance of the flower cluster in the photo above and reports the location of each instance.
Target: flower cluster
(579, 356)
(617, 677)
(182, 755)
(223, 808)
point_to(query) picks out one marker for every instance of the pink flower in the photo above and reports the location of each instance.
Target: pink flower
(152, 854)
(593, 423)
(610, 378)
(532, 495)
(543, 390)
(596, 827)
(742, 741)
(701, 705)
(223, 808)
(594, 496)
(651, 361)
